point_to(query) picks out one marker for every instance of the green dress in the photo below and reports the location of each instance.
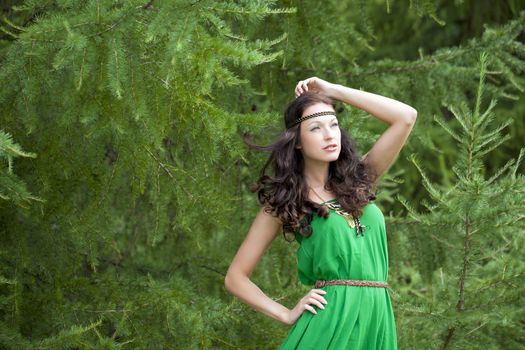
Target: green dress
(355, 317)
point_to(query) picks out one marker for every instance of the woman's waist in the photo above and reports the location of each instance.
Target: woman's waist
(375, 283)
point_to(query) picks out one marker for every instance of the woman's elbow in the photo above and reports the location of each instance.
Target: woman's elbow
(413, 114)
(229, 281)
(235, 281)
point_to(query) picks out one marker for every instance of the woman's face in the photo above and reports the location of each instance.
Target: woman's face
(319, 132)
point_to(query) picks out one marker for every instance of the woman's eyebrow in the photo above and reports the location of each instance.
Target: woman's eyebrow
(317, 121)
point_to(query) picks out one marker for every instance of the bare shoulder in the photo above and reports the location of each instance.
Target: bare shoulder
(264, 229)
(273, 223)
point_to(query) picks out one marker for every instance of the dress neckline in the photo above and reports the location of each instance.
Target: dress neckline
(330, 200)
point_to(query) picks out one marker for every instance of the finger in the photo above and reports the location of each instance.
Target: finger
(305, 86)
(322, 291)
(309, 308)
(316, 302)
(320, 298)
(310, 81)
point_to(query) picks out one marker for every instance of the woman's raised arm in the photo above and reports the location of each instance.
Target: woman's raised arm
(399, 115)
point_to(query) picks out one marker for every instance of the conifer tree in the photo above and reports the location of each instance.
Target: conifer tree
(473, 297)
(136, 164)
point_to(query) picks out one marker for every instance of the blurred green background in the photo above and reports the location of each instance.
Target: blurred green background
(124, 187)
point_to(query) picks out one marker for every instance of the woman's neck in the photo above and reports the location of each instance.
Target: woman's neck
(316, 174)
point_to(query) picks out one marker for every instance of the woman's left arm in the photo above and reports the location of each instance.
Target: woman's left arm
(400, 116)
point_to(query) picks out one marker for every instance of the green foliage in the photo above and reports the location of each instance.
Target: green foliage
(11, 187)
(118, 235)
(479, 223)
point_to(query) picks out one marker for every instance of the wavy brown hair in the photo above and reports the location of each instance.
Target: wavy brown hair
(284, 193)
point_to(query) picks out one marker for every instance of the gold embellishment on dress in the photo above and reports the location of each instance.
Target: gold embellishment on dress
(348, 217)
(352, 222)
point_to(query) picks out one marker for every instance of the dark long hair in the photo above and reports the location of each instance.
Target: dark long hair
(285, 192)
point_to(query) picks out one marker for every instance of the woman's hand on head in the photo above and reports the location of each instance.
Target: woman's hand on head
(315, 297)
(313, 84)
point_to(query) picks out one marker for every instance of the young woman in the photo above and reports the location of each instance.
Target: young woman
(321, 192)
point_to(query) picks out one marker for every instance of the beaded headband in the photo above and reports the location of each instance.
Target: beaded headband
(317, 114)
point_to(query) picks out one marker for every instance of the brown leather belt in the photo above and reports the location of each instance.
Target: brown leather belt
(363, 283)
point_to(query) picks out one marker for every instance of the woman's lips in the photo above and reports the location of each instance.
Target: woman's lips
(330, 148)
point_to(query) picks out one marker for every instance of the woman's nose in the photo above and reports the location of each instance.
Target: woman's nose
(329, 134)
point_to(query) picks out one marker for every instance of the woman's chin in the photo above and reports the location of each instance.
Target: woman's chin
(325, 157)
(330, 158)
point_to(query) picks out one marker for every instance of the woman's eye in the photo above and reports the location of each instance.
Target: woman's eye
(316, 127)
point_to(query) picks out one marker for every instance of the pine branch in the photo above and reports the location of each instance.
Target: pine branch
(72, 336)
(165, 168)
(452, 58)
(448, 338)
(148, 5)
(460, 306)
(11, 187)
